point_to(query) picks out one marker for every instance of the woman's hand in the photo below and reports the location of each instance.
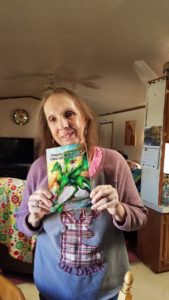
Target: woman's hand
(39, 204)
(106, 197)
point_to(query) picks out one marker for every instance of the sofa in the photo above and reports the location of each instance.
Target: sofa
(16, 249)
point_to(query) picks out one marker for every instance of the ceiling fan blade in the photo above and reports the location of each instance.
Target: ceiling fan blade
(91, 77)
(89, 84)
(144, 72)
(73, 81)
(25, 76)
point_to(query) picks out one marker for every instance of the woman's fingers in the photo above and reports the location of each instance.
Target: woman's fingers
(40, 200)
(44, 191)
(100, 205)
(104, 197)
(104, 189)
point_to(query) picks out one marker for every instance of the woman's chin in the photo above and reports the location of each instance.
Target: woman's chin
(66, 142)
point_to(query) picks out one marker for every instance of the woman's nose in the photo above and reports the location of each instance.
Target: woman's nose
(63, 123)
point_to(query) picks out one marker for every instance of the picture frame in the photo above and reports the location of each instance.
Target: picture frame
(130, 133)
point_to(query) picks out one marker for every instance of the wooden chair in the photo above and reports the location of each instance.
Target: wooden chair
(125, 293)
(9, 291)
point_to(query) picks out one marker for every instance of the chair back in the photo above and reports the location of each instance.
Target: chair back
(9, 291)
(125, 293)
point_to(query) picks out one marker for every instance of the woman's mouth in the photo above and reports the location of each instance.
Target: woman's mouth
(68, 135)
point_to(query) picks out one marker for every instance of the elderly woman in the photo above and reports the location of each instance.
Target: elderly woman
(90, 260)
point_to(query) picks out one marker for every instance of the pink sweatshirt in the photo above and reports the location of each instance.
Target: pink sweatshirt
(82, 254)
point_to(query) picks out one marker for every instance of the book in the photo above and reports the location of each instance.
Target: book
(68, 177)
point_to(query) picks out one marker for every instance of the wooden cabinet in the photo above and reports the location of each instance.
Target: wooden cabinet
(166, 114)
(153, 241)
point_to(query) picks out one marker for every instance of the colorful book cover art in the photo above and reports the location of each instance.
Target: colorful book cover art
(68, 177)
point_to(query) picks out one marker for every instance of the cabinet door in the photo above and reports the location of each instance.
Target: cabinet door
(166, 118)
(165, 254)
(167, 125)
(106, 134)
(149, 241)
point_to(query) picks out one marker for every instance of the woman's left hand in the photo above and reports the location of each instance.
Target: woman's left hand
(106, 197)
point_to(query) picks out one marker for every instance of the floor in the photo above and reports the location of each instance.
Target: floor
(147, 285)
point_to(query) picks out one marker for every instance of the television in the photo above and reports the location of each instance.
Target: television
(16, 151)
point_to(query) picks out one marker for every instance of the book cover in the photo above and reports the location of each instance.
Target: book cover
(68, 177)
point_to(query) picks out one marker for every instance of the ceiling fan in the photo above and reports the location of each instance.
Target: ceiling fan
(144, 72)
(64, 78)
(57, 80)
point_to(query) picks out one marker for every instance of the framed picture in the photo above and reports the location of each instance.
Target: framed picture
(152, 136)
(130, 133)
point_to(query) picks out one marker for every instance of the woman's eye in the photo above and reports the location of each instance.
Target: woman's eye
(52, 119)
(69, 114)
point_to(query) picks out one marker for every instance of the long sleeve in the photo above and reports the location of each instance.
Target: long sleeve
(37, 177)
(117, 171)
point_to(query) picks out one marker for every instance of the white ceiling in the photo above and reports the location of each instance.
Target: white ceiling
(89, 45)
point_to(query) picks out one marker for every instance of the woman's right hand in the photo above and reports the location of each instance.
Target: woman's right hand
(39, 204)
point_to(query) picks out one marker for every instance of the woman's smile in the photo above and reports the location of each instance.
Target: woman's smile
(68, 134)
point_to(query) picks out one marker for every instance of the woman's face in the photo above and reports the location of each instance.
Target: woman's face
(64, 119)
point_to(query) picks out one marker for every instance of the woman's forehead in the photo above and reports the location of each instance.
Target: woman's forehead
(61, 101)
(60, 98)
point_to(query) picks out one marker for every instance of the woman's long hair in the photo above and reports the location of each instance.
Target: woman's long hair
(45, 140)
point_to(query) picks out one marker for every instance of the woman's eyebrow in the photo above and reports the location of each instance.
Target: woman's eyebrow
(70, 109)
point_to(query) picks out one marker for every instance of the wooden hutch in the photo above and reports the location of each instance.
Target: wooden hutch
(153, 239)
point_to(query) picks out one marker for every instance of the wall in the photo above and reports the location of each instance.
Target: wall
(7, 126)
(9, 129)
(133, 152)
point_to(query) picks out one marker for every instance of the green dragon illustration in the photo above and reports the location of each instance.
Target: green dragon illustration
(70, 175)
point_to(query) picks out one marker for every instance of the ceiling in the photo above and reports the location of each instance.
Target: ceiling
(104, 49)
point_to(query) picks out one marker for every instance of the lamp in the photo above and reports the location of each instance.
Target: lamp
(166, 159)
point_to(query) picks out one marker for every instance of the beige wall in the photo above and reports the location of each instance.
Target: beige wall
(9, 129)
(7, 126)
(119, 119)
